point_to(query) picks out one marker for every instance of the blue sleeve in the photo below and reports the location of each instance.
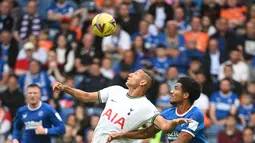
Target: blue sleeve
(18, 125)
(59, 127)
(196, 126)
(166, 114)
(240, 111)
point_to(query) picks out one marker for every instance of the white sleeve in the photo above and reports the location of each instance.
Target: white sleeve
(151, 113)
(105, 93)
(221, 72)
(6, 69)
(70, 61)
(245, 73)
(106, 42)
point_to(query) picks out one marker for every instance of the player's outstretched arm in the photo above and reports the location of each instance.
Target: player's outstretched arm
(78, 94)
(139, 134)
(169, 125)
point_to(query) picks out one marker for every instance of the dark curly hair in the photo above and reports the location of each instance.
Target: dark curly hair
(192, 87)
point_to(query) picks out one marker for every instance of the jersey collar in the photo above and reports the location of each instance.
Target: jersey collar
(181, 115)
(34, 108)
(133, 97)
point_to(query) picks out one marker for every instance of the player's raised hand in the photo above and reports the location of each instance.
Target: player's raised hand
(40, 130)
(57, 87)
(180, 121)
(113, 136)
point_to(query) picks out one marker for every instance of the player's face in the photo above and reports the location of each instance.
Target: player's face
(176, 94)
(33, 95)
(134, 79)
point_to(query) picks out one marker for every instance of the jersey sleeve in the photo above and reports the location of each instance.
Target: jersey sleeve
(105, 93)
(151, 114)
(195, 126)
(18, 125)
(56, 121)
(213, 98)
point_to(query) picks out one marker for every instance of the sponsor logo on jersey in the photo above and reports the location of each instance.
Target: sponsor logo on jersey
(32, 124)
(114, 118)
(173, 135)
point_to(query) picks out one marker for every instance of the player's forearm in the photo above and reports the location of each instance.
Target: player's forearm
(140, 134)
(78, 94)
(59, 130)
(169, 126)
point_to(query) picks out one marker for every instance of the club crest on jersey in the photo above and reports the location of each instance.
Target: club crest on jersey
(40, 113)
(24, 116)
(113, 117)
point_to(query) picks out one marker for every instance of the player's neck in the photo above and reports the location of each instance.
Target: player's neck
(183, 108)
(137, 92)
(34, 106)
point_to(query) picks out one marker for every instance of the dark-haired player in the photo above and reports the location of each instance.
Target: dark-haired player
(185, 92)
(125, 109)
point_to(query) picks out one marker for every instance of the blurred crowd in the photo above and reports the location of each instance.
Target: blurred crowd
(213, 41)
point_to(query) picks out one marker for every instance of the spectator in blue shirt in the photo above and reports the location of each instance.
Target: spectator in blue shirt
(245, 109)
(223, 103)
(180, 59)
(163, 101)
(161, 62)
(191, 49)
(35, 75)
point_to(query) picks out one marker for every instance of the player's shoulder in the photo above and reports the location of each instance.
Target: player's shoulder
(196, 112)
(23, 109)
(169, 112)
(47, 107)
(117, 88)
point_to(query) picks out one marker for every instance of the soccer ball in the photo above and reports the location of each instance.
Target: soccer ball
(103, 25)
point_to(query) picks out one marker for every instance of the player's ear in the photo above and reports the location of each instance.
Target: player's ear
(143, 82)
(186, 95)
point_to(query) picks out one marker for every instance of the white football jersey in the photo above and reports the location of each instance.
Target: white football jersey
(122, 113)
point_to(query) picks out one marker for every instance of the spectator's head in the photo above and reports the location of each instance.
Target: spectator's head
(44, 35)
(69, 131)
(161, 51)
(250, 29)
(124, 10)
(94, 121)
(213, 45)
(186, 90)
(124, 71)
(211, 1)
(138, 43)
(33, 95)
(69, 81)
(149, 18)
(160, 2)
(252, 11)
(61, 41)
(79, 112)
(4, 9)
(248, 135)
(75, 21)
(61, 1)
(235, 56)
(129, 57)
(196, 24)
(195, 64)
(228, 71)
(225, 86)
(191, 44)
(108, 3)
(179, 14)
(32, 7)
(88, 40)
(6, 37)
(12, 83)
(52, 57)
(187, 2)
(143, 27)
(251, 87)
(71, 120)
(231, 124)
(34, 39)
(34, 67)
(65, 24)
(246, 99)
(222, 25)
(232, 3)
(106, 63)
(89, 136)
(163, 89)
(200, 76)
(29, 49)
(172, 73)
(94, 69)
(206, 21)
(172, 28)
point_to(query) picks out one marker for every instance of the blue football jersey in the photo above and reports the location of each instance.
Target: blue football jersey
(195, 128)
(28, 120)
(245, 111)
